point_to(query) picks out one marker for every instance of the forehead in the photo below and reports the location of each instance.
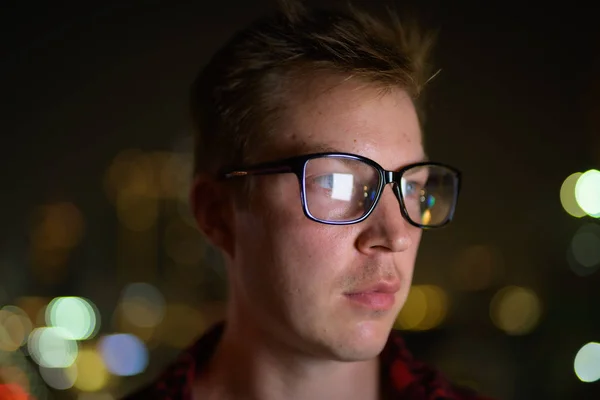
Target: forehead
(332, 113)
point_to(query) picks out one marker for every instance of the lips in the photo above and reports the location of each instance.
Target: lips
(379, 296)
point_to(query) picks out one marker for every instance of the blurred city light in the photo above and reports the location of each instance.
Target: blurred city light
(59, 378)
(184, 244)
(57, 226)
(137, 212)
(121, 323)
(15, 327)
(477, 267)
(95, 396)
(33, 306)
(130, 171)
(92, 373)
(11, 391)
(515, 310)
(586, 245)
(132, 185)
(77, 316)
(123, 354)
(182, 325)
(175, 175)
(567, 196)
(583, 255)
(143, 305)
(425, 308)
(587, 362)
(14, 375)
(587, 192)
(52, 347)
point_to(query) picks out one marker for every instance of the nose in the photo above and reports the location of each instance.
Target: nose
(386, 229)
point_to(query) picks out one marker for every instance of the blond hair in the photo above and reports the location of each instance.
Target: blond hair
(239, 95)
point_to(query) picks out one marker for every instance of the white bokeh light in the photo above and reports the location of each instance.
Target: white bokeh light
(52, 347)
(76, 315)
(587, 192)
(587, 362)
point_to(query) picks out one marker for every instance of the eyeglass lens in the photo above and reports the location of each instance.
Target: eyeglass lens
(339, 189)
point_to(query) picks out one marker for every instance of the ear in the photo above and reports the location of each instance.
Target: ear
(212, 207)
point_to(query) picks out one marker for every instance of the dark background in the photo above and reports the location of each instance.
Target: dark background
(516, 107)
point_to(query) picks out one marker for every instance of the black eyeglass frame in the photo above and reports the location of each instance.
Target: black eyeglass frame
(297, 166)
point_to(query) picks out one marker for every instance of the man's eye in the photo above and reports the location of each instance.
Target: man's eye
(411, 188)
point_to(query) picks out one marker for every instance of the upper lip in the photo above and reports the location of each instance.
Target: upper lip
(379, 287)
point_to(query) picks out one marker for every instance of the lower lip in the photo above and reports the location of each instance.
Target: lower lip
(373, 300)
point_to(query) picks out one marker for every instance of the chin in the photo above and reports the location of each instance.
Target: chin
(364, 342)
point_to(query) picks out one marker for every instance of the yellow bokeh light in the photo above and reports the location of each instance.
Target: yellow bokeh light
(587, 362)
(32, 306)
(57, 226)
(425, 308)
(92, 374)
(143, 304)
(131, 172)
(477, 267)
(426, 217)
(15, 327)
(184, 244)
(95, 396)
(515, 310)
(567, 196)
(182, 325)
(137, 212)
(122, 323)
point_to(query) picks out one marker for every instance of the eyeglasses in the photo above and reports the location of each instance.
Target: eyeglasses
(344, 189)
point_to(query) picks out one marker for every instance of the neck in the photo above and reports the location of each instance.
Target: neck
(250, 364)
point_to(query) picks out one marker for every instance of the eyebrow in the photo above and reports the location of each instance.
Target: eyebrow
(322, 148)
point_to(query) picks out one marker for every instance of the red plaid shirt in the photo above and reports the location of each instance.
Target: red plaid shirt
(402, 376)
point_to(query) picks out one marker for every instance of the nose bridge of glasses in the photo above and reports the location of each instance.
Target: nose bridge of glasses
(391, 176)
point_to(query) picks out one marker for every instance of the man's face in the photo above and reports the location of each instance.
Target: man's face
(304, 283)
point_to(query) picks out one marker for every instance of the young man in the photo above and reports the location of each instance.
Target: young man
(312, 180)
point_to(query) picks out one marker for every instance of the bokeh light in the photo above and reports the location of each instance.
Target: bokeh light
(59, 378)
(130, 171)
(184, 244)
(587, 192)
(515, 310)
(75, 315)
(567, 196)
(174, 175)
(143, 305)
(182, 325)
(583, 255)
(15, 327)
(12, 391)
(57, 226)
(123, 354)
(15, 375)
(425, 308)
(33, 306)
(586, 245)
(477, 267)
(95, 396)
(587, 362)
(132, 184)
(92, 373)
(52, 347)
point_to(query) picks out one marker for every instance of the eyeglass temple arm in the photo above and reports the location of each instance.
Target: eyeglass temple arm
(259, 171)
